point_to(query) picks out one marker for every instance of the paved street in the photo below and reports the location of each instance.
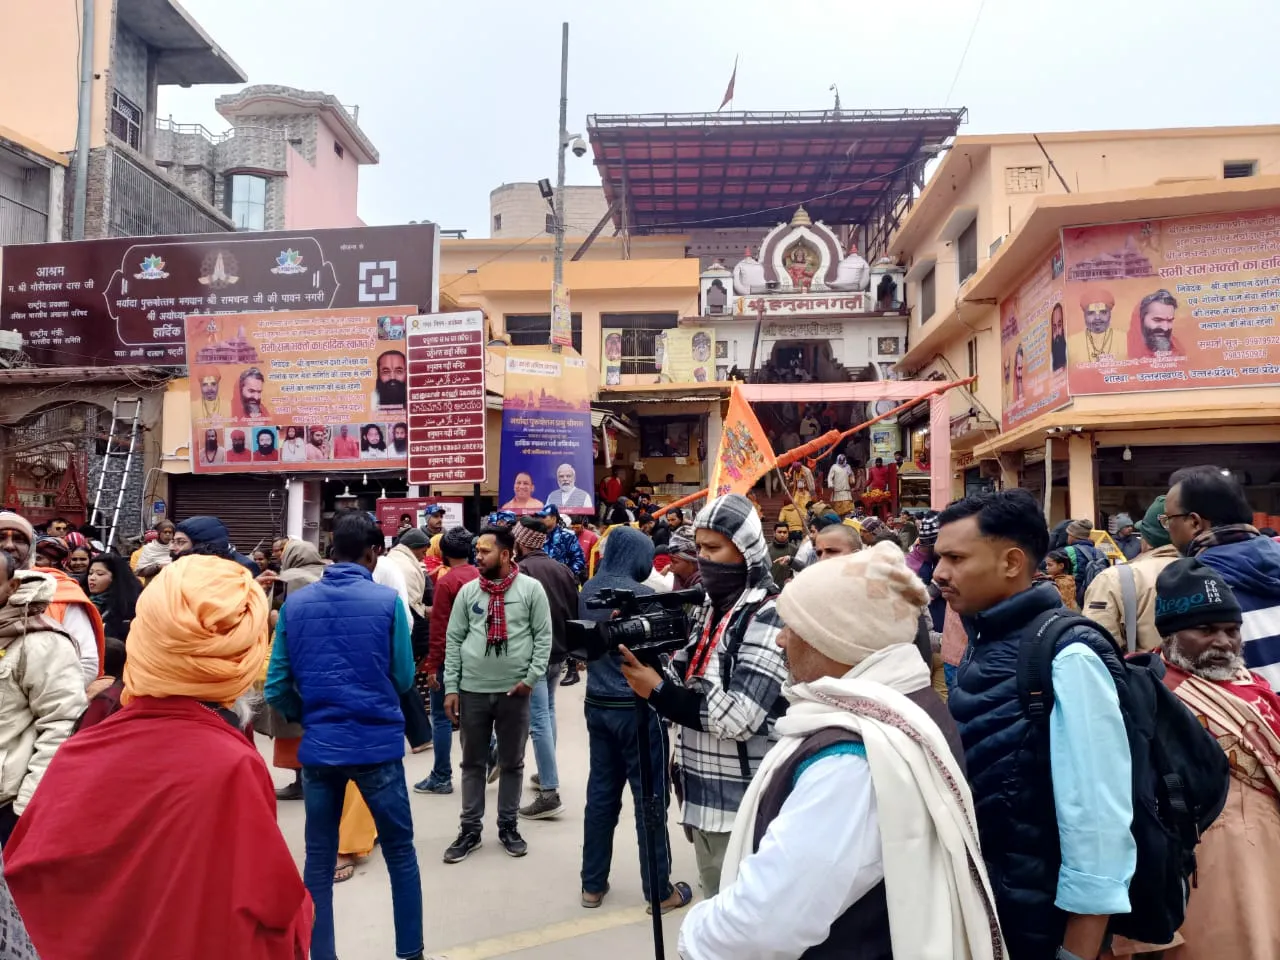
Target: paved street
(491, 905)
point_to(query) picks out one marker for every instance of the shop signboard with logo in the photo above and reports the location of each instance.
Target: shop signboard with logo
(389, 510)
(125, 301)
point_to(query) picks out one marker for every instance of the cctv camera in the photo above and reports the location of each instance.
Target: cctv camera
(579, 147)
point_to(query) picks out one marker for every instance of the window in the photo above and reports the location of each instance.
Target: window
(972, 349)
(928, 295)
(534, 330)
(247, 206)
(639, 337)
(497, 223)
(1234, 169)
(666, 436)
(126, 120)
(551, 223)
(967, 251)
(337, 149)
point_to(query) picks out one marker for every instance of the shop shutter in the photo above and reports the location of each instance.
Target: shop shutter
(252, 507)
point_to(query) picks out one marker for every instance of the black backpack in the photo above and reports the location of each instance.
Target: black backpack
(1094, 563)
(1180, 774)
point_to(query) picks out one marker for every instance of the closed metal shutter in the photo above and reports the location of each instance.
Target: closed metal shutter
(252, 507)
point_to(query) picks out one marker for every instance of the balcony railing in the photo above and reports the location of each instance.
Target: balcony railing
(145, 204)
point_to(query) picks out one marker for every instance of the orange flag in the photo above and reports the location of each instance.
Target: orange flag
(744, 455)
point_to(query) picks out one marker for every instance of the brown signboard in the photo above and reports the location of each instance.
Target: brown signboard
(124, 301)
(446, 398)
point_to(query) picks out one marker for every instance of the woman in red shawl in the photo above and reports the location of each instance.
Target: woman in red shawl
(182, 856)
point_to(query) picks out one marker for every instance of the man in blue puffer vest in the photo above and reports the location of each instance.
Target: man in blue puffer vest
(342, 657)
(1054, 801)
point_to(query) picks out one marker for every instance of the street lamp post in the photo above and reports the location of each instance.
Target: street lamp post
(562, 146)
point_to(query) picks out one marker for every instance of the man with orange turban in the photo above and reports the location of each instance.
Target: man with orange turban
(1097, 303)
(183, 833)
(212, 403)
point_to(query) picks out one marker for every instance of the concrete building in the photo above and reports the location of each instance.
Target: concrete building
(997, 289)
(518, 210)
(32, 178)
(290, 161)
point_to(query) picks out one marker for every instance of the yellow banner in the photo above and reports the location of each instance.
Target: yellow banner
(744, 455)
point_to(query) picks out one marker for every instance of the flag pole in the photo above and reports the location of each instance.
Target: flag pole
(828, 440)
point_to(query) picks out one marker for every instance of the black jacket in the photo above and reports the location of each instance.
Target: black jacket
(562, 595)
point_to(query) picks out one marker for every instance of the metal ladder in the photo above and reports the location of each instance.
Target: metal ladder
(116, 463)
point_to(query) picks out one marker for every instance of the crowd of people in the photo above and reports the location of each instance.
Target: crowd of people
(956, 734)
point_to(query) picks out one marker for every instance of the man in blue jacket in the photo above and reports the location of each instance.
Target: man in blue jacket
(342, 657)
(1054, 800)
(1208, 517)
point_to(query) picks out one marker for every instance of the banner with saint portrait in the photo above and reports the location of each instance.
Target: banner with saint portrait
(298, 390)
(546, 452)
(1033, 344)
(1173, 304)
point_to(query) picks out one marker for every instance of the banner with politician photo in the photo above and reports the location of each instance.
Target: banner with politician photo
(1173, 304)
(546, 433)
(1033, 344)
(298, 391)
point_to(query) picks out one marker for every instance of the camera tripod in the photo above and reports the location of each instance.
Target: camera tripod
(652, 818)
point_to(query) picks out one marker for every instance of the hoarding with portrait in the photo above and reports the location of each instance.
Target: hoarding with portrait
(299, 391)
(1033, 344)
(1173, 304)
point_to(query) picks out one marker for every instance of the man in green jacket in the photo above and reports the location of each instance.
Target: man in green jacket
(497, 647)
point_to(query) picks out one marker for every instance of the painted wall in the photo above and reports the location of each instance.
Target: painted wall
(38, 54)
(459, 256)
(322, 194)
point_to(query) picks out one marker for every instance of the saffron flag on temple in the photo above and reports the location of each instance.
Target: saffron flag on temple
(744, 455)
(728, 91)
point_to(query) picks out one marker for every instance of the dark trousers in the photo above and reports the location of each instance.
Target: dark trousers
(481, 716)
(615, 762)
(383, 787)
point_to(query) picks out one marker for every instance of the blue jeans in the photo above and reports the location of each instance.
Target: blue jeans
(441, 734)
(542, 726)
(383, 787)
(950, 674)
(615, 762)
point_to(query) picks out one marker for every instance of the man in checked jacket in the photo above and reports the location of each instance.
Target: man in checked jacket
(723, 690)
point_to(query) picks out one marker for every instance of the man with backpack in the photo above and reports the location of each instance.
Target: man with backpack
(1092, 783)
(1089, 560)
(723, 690)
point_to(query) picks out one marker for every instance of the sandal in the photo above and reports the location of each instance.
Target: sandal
(344, 872)
(680, 889)
(593, 900)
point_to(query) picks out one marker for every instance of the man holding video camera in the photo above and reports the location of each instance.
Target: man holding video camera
(723, 691)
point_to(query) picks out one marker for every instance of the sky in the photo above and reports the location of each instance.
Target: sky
(460, 98)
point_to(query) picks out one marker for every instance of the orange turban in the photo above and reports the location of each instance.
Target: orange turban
(200, 631)
(208, 373)
(1092, 295)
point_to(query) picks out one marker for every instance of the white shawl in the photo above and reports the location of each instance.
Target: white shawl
(940, 900)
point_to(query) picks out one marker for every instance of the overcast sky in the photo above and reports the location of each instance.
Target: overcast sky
(461, 97)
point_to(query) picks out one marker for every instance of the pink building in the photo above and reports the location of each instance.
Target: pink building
(290, 161)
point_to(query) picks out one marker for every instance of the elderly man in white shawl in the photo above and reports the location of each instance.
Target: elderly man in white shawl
(856, 837)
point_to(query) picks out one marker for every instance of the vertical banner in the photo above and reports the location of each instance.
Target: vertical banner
(744, 455)
(1033, 344)
(611, 358)
(561, 318)
(446, 398)
(546, 433)
(1175, 304)
(298, 390)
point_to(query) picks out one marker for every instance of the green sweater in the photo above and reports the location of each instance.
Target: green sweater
(466, 665)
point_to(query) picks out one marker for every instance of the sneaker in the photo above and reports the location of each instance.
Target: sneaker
(432, 785)
(511, 841)
(461, 848)
(292, 792)
(536, 781)
(545, 806)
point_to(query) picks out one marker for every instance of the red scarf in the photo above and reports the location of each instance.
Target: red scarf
(497, 591)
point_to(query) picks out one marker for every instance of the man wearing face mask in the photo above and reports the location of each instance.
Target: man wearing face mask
(723, 691)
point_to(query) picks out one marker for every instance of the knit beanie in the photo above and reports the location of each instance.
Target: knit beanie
(414, 539)
(928, 527)
(1190, 594)
(12, 521)
(1123, 520)
(682, 543)
(528, 537)
(1080, 529)
(1150, 528)
(849, 607)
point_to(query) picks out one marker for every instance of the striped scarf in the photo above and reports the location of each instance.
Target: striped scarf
(1220, 536)
(496, 640)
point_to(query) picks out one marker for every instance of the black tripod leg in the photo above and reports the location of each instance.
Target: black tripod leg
(653, 809)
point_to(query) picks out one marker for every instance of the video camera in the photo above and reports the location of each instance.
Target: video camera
(648, 625)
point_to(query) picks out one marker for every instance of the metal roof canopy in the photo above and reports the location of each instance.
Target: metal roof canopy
(680, 170)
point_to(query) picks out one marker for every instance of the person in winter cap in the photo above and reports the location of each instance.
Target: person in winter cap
(867, 779)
